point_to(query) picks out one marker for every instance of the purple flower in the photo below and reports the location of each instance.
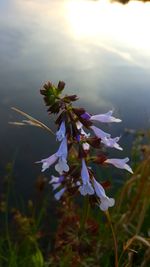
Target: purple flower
(56, 183)
(99, 133)
(86, 116)
(120, 163)
(60, 155)
(60, 134)
(86, 188)
(106, 202)
(112, 142)
(62, 165)
(46, 163)
(106, 117)
(63, 149)
(56, 180)
(84, 173)
(59, 194)
(78, 138)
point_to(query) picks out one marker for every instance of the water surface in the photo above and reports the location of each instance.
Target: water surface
(101, 51)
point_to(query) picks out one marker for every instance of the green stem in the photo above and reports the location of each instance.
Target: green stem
(84, 217)
(114, 238)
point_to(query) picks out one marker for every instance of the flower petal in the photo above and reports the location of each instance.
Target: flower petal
(80, 127)
(54, 179)
(84, 173)
(106, 117)
(100, 192)
(63, 149)
(55, 186)
(86, 189)
(46, 163)
(120, 163)
(59, 194)
(112, 142)
(86, 146)
(62, 165)
(60, 134)
(106, 203)
(99, 133)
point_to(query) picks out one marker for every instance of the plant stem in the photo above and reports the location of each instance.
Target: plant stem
(85, 214)
(114, 238)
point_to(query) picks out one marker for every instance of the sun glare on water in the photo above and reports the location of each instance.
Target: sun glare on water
(96, 21)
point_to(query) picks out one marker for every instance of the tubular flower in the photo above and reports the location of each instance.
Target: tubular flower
(59, 194)
(72, 133)
(60, 155)
(99, 133)
(106, 117)
(112, 142)
(106, 202)
(60, 134)
(120, 163)
(86, 187)
(46, 163)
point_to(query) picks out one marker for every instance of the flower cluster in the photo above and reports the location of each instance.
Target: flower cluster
(75, 152)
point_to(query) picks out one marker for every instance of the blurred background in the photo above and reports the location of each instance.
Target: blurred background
(100, 49)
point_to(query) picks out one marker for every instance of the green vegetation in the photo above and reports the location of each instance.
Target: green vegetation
(78, 235)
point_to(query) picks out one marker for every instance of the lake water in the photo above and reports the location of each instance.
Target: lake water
(101, 51)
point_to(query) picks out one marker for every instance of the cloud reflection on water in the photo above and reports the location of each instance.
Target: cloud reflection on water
(42, 40)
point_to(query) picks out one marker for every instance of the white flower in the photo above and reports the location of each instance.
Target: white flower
(80, 127)
(60, 134)
(86, 146)
(106, 202)
(120, 163)
(112, 142)
(99, 133)
(54, 179)
(106, 117)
